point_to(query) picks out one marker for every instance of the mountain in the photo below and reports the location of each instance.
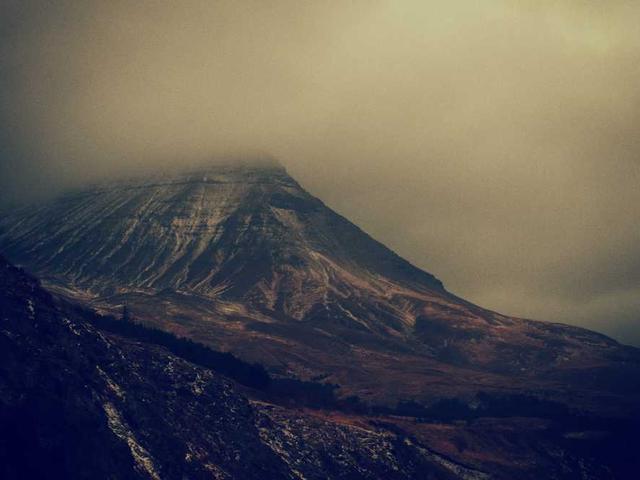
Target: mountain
(375, 370)
(240, 257)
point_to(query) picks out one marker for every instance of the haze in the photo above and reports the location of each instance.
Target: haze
(491, 143)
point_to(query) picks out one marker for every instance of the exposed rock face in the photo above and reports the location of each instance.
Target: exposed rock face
(242, 258)
(77, 403)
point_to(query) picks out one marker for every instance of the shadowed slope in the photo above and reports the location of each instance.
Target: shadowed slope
(77, 403)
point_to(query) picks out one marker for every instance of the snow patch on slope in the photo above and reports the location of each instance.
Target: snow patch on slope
(140, 455)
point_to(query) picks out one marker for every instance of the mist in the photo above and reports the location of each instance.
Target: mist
(494, 144)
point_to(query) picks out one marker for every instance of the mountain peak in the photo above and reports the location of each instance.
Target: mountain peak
(242, 230)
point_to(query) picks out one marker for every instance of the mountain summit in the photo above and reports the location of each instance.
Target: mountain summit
(226, 231)
(241, 257)
(244, 233)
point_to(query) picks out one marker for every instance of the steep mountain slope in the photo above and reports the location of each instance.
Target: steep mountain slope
(242, 258)
(248, 233)
(77, 403)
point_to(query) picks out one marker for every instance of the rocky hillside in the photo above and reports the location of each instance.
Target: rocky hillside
(77, 403)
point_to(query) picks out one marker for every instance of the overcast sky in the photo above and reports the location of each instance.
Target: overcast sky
(495, 144)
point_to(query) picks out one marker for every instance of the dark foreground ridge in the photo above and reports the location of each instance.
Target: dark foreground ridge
(81, 402)
(78, 403)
